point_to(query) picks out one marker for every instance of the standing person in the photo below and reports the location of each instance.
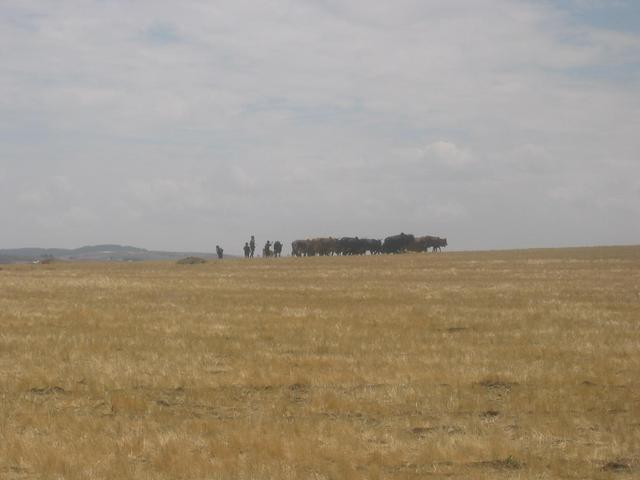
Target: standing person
(219, 251)
(247, 250)
(252, 245)
(266, 252)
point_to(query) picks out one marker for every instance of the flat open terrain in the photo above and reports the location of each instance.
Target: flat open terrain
(522, 364)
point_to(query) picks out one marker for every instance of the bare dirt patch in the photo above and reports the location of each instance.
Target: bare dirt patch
(490, 414)
(497, 384)
(191, 261)
(438, 429)
(509, 463)
(617, 466)
(47, 390)
(456, 329)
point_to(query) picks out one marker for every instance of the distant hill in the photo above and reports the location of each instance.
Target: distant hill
(117, 253)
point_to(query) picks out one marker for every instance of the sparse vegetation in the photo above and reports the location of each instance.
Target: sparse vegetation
(519, 364)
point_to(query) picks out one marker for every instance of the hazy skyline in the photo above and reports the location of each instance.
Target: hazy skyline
(179, 126)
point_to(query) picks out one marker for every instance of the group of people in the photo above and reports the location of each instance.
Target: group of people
(250, 248)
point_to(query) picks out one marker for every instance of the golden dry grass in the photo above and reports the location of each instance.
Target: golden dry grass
(522, 364)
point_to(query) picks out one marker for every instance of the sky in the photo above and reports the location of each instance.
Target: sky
(183, 125)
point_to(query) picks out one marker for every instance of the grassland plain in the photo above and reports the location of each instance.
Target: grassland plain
(515, 364)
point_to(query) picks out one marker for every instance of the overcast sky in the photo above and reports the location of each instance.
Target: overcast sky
(182, 125)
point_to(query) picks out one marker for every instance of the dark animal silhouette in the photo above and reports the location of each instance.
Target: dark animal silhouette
(352, 246)
(374, 246)
(423, 244)
(440, 242)
(299, 248)
(360, 246)
(398, 243)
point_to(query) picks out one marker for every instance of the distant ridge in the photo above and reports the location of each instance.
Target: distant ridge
(106, 252)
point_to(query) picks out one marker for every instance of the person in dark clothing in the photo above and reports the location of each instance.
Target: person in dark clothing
(247, 250)
(266, 252)
(252, 245)
(219, 251)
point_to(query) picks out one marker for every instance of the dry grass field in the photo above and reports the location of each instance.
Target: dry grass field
(519, 364)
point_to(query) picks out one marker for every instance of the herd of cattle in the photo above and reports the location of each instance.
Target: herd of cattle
(360, 246)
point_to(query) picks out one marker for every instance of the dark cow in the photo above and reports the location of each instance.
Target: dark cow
(398, 243)
(423, 244)
(418, 245)
(352, 246)
(277, 248)
(314, 246)
(373, 245)
(324, 245)
(302, 248)
(440, 242)
(297, 248)
(360, 246)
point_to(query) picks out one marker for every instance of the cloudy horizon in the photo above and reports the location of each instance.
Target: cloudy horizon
(494, 123)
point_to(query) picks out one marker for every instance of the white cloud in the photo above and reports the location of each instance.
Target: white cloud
(533, 159)
(61, 183)
(241, 178)
(33, 198)
(45, 192)
(170, 194)
(448, 154)
(79, 215)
